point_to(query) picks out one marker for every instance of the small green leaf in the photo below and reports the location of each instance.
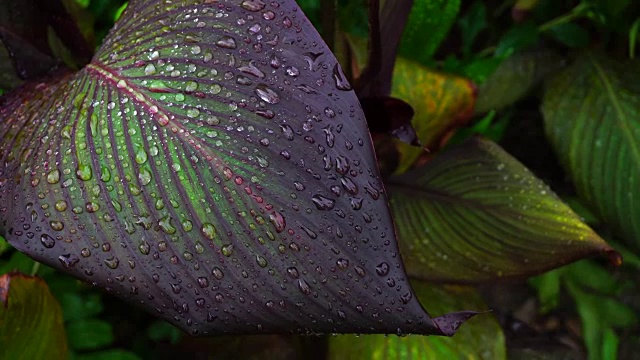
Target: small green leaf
(599, 315)
(472, 24)
(570, 34)
(515, 78)
(112, 354)
(548, 286)
(120, 10)
(428, 25)
(474, 213)
(161, 330)
(517, 38)
(89, 334)
(18, 262)
(4, 245)
(591, 118)
(479, 70)
(76, 306)
(481, 338)
(31, 325)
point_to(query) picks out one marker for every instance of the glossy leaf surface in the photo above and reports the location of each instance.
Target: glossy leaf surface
(440, 101)
(31, 325)
(591, 118)
(480, 338)
(213, 166)
(474, 213)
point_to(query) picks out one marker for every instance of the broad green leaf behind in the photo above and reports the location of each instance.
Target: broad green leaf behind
(475, 214)
(592, 119)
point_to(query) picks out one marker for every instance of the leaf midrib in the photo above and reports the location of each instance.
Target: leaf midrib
(431, 194)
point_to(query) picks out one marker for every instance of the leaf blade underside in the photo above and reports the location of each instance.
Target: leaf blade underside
(475, 214)
(214, 168)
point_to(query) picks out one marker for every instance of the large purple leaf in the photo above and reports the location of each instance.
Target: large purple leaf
(212, 166)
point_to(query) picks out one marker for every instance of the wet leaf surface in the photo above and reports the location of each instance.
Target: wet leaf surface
(591, 118)
(480, 338)
(31, 325)
(213, 166)
(474, 214)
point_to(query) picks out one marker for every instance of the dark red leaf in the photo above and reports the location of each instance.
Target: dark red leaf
(212, 165)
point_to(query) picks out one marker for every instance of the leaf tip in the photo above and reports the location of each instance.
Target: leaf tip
(615, 258)
(449, 323)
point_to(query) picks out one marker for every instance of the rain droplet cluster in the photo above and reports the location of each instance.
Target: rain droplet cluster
(212, 165)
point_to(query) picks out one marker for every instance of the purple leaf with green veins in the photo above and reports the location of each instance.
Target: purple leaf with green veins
(212, 166)
(476, 214)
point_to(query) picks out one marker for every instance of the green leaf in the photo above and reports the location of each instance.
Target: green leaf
(18, 262)
(89, 334)
(570, 34)
(76, 306)
(440, 101)
(4, 245)
(481, 338)
(428, 25)
(31, 324)
(474, 213)
(599, 314)
(548, 286)
(213, 166)
(516, 39)
(112, 354)
(515, 78)
(591, 118)
(472, 24)
(161, 330)
(479, 70)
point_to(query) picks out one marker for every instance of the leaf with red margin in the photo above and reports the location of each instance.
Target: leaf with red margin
(31, 325)
(475, 214)
(211, 165)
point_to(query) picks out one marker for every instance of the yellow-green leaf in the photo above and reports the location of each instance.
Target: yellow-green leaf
(441, 102)
(480, 338)
(592, 118)
(31, 325)
(474, 213)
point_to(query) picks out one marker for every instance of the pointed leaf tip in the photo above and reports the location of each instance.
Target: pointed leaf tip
(450, 323)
